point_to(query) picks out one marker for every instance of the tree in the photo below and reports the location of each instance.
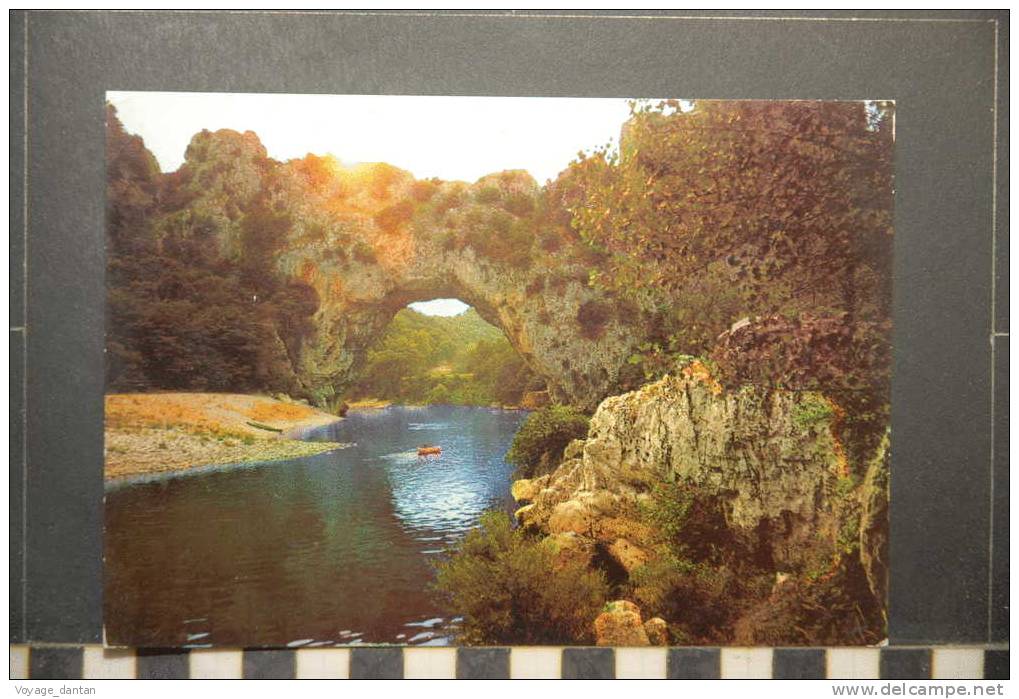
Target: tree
(132, 188)
(195, 296)
(785, 201)
(538, 445)
(780, 212)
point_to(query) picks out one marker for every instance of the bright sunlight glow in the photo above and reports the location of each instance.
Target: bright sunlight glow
(452, 138)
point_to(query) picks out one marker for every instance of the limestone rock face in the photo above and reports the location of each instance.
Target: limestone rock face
(779, 478)
(574, 450)
(523, 490)
(620, 625)
(379, 240)
(521, 513)
(572, 516)
(370, 238)
(874, 521)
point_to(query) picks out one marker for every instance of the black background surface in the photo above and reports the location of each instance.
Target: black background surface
(949, 546)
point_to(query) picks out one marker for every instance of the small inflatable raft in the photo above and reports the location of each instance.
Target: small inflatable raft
(429, 451)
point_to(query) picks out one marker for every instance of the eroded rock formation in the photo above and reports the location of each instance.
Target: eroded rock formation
(371, 238)
(771, 461)
(540, 305)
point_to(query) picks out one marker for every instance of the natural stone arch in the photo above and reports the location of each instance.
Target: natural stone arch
(370, 238)
(574, 336)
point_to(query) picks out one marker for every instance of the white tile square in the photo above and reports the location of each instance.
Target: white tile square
(100, 663)
(640, 663)
(957, 664)
(746, 663)
(19, 662)
(429, 663)
(535, 663)
(322, 664)
(854, 663)
(214, 664)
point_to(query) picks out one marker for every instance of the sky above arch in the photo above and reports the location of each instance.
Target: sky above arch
(440, 307)
(452, 138)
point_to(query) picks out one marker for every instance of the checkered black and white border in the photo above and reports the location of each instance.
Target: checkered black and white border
(63, 661)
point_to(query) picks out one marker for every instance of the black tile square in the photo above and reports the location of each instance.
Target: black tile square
(694, 664)
(589, 664)
(995, 664)
(55, 663)
(376, 663)
(905, 663)
(161, 664)
(269, 664)
(798, 664)
(482, 663)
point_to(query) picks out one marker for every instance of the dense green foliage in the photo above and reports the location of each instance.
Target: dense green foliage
(835, 608)
(699, 573)
(712, 584)
(459, 360)
(498, 222)
(510, 589)
(539, 443)
(776, 190)
(715, 211)
(183, 311)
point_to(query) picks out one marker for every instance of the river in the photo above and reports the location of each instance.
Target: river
(331, 549)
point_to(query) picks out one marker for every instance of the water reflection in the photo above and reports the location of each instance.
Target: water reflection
(334, 548)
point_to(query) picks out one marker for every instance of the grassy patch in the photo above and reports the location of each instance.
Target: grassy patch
(812, 410)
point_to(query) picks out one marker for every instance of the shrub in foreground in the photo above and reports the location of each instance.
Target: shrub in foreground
(834, 608)
(539, 443)
(510, 589)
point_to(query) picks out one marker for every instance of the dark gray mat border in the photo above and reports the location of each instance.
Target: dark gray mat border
(944, 262)
(16, 322)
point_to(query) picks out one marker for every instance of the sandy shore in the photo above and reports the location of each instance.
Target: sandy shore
(369, 404)
(150, 433)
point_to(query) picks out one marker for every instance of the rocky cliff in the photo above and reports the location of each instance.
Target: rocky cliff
(370, 238)
(476, 243)
(771, 463)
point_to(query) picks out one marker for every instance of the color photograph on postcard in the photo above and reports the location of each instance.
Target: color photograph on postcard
(425, 370)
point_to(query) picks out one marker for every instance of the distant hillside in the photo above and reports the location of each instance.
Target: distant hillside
(435, 359)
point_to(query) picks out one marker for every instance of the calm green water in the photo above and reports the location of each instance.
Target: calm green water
(330, 549)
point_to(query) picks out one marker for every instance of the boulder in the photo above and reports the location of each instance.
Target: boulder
(571, 516)
(524, 490)
(657, 631)
(620, 625)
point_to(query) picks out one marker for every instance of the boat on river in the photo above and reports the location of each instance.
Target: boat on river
(426, 450)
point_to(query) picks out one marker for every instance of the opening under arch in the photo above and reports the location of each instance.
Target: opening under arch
(441, 351)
